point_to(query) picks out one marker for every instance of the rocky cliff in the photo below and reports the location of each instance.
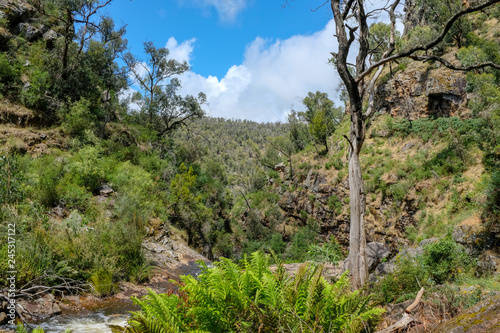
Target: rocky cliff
(19, 18)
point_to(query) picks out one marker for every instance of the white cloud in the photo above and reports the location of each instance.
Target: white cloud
(273, 78)
(180, 52)
(126, 95)
(226, 9)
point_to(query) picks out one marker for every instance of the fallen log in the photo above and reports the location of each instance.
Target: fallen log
(407, 317)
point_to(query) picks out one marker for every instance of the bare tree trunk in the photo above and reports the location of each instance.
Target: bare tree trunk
(357, 263)
(351, 28)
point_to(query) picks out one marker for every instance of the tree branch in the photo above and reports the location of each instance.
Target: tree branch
(430, 44)
(449, 65)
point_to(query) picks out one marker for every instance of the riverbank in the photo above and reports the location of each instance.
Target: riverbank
(170, 260)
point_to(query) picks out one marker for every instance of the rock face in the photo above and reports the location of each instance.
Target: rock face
(390, 266)
(24, 21)
(481, 318)
(414, 16)
(16, 11)
(415, 94)
(476, 237)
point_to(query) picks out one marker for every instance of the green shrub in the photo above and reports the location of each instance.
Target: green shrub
(21, 329)
(398, 191)
(335, 204)
(276, 243)
(87, 168)
(34, 97)
(79, 118)
(492, 205)
(135, 188)
(301, 241)
(224, 246)
(250, 298)
(403, 283)
(445, 260)
(45, 173)
(328, 252)
(73, 196)
(102, 282)
(10, 77)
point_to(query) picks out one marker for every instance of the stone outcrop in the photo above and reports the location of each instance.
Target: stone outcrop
(414, 16)
(16, 11)
(23, 20)
(423, 93)
(390, 266)
(481, 318)
(327, 203)
(43, 307)
(476, 237)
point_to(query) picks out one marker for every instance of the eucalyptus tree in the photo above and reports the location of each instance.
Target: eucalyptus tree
(322, 115)
(352, 33)
(165, 109)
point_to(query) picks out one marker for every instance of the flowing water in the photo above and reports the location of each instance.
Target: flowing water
(97, 318)
(94, 320)
(93, 323)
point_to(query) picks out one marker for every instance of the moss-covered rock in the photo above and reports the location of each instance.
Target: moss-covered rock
(484, 317)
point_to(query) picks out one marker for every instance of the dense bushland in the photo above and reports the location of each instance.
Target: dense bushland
(213, 183)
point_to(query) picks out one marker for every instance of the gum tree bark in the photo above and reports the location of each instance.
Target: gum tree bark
(351, 24)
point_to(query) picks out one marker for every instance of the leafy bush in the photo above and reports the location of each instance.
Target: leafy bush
(135, 187)
(34, 96)
(10, 76)
(445, 259)
(251, 298)
(79, 118)
(301, 241)
(492, 205)
(403, 283)
(335, 204)
(102, 282)
(21, 329)
(328, 252)
(44, 175)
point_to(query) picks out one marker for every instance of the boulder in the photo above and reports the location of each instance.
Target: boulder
(385, 268)
(488, 263)
(330, 271)
(407, 146)
(45, 306)
(415, 94)
(376, 253)
(28, 31)
(309, 179)
(16, 11)
(49, 37)
(483, 317)
(106, 190)
(472, 236)
(280, 167)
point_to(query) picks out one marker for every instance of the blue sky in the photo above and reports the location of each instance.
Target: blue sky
(253, 59)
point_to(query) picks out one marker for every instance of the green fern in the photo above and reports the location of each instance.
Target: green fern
(251, 298)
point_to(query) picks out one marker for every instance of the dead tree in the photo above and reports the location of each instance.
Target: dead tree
(351, 23)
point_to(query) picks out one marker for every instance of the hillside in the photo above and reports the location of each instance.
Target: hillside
(103, 194)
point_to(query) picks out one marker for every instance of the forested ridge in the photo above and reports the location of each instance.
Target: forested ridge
(88, 175)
